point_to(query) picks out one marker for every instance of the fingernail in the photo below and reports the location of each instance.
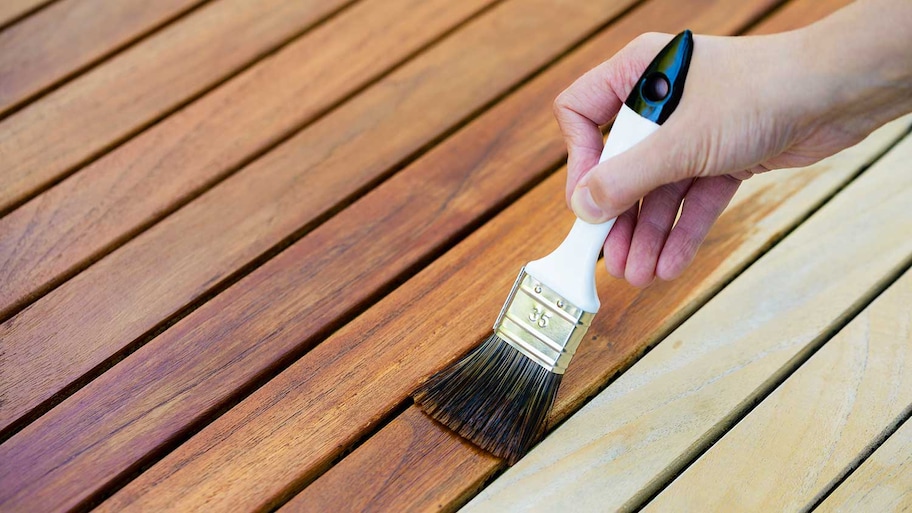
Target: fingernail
(584, 206)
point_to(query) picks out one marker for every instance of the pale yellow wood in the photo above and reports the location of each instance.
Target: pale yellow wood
(637, 434)
(801, 440)
(883, 483)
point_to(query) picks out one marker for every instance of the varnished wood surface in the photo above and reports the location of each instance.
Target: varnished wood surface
(284, 192)
(79, 121)
(11, 10)
(234, 235)
(95, 210)
(69, 35)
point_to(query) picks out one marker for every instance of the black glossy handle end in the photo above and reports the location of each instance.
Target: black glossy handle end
(659, 89)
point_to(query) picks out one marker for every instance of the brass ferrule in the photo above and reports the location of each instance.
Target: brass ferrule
(541, 324)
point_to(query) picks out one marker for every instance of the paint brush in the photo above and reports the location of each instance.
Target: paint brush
(499, 395)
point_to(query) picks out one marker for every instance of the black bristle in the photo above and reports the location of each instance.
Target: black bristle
(495, 396)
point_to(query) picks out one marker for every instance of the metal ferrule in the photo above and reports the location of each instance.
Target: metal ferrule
(541, 324)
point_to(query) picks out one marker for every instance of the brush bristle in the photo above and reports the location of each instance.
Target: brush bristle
(495, 396)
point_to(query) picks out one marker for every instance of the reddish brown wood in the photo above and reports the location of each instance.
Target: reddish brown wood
(91, 212)
(13, 9)
(395, 228)
(53, 136)
(68, 35)
(129, 292)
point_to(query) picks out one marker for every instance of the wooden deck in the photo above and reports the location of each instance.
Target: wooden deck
(236, 234)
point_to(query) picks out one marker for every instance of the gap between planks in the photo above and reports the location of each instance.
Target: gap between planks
(12, 11)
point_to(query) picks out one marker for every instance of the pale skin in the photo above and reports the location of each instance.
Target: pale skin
(750, 105)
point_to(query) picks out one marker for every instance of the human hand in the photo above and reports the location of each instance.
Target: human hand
(746, 109)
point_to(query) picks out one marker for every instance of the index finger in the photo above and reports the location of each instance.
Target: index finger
(594, 100)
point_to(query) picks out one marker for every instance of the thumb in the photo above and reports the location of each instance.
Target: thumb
(613, 186)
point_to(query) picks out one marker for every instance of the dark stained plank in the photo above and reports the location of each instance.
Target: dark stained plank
(12, 9)
(81, 120)
(101, 442)
(68, 35)
(126, 294)
(74, 223)
(289, 431)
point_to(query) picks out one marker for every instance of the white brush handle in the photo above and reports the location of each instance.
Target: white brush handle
(570, 269)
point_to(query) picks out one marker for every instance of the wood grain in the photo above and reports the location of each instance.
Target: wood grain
(90, 213)
(816, 426)
(288, 432)
(637, 434)
(81, 120)
(881, 483)
(12, 9)
(69, 35)
(432, 201)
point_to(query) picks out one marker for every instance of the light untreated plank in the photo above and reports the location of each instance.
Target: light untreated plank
(77, 221)
(81, 120)
(635, 436)
(63, 38)
(12, 9)
(422, 208)
(788, 452)
(882, 483)
(292, 428)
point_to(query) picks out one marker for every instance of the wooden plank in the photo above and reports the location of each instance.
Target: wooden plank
(76, 222)
(882, 482)
(50, 138)
(495, 157)
(635, 436)
(809, 433)
(287, 432)
(399, 461)
(287, 190)
(69, 35)
(13, 9)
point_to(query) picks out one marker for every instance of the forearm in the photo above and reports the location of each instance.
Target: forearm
(861, 57)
